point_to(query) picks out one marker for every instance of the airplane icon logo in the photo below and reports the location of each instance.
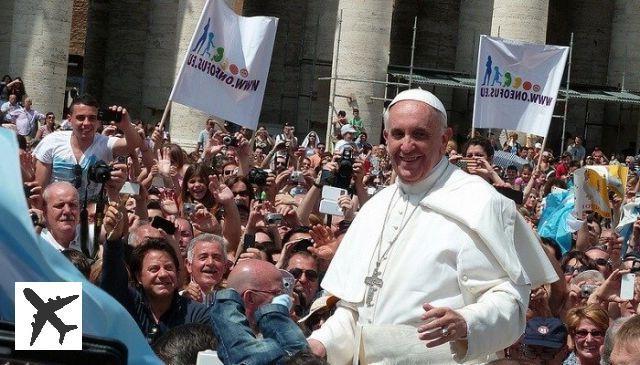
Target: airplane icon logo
(59, 304)
(46, 313)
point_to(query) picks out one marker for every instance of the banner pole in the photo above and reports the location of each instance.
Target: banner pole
(165, 114)
(544, 144)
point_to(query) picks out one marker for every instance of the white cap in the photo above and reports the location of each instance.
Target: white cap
(347, 128)
(423, 96)
(538, 145)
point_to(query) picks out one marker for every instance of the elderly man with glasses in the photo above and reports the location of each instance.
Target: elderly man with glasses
(255, 302)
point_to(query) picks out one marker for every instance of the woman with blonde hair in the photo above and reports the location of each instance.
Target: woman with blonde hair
(587, 327)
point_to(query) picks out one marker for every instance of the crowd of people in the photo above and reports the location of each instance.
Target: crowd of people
(224, 247)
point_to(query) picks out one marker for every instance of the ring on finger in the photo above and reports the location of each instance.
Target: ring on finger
(445, 331)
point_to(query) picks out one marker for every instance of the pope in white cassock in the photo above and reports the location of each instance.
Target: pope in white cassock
(435, 269)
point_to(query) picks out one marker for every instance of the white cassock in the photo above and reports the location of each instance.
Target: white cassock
(461, 248)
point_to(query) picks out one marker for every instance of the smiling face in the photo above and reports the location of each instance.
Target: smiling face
(158, 275)
(416, 139)
(208, 264)
(84, 121)
(197, 187)
(588, 339)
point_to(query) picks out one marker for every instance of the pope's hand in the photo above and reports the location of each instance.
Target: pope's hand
(442, 325)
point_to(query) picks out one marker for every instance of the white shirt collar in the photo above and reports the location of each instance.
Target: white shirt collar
(47, 236)
(425, 184)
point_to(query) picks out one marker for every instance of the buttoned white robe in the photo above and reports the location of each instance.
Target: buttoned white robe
(462, 248)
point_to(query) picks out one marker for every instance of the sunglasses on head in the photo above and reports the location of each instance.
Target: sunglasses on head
(570, 269)
(311, 275)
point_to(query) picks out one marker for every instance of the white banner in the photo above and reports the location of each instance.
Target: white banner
(517, 85)
(226, 66)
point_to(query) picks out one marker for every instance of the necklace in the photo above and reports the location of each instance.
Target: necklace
(374, 282)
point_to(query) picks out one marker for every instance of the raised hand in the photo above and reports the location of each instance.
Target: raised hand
(221, 192)
(325, 243)
(164, 162)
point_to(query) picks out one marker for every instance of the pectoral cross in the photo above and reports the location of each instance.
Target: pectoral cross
(373, 282)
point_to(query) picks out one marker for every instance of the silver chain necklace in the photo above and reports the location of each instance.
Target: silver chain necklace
(374, 282)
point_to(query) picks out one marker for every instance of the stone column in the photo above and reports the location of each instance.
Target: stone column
(520, 20)
(40, 50)
(624, 62)
(5, 35)
(124, 58)
(96, 47)
(160, 59)
(523, 21)
(474, 20)
(363, 54)
(186, 122)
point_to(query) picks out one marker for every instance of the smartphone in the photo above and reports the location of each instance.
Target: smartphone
(627, 286)
(330, 207)
(106, 115)
(332, 193)
(130, 188)
(163, 224)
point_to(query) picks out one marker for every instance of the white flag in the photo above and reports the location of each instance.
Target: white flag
(226, 66)
(517, 85)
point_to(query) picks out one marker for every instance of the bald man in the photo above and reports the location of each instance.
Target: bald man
(255, 303)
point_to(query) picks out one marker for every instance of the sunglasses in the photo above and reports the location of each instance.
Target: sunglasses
(570, 270)
(602, 262)
(585, 333)
(543, 353)
(311, 275)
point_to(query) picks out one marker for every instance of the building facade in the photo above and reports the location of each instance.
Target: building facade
(329, 55)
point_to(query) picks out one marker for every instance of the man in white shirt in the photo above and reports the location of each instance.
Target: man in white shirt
(26, 119)
(348, 139)
(445, 267)
(8, 107)
(67, 155)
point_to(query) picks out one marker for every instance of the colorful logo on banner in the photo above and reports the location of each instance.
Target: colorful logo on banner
(501, 83)
(210, 59)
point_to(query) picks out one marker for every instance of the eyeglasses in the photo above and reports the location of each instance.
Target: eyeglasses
(311, 275)
(569, 269)
(244, 193)
(585, 333)
(274, 292)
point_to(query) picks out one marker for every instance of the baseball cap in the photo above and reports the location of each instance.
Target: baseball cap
(347, 128)
(423, 96)
(546, 332)
(324, 302)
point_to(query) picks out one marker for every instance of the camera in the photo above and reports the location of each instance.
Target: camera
(230, 141)
(99, 172)
(342, 177)
(273, 219)
(587, 289)
(297, 176)
(345, 169)
(258, 177)
(106, 115)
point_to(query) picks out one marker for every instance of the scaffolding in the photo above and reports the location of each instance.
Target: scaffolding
(398, 81)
